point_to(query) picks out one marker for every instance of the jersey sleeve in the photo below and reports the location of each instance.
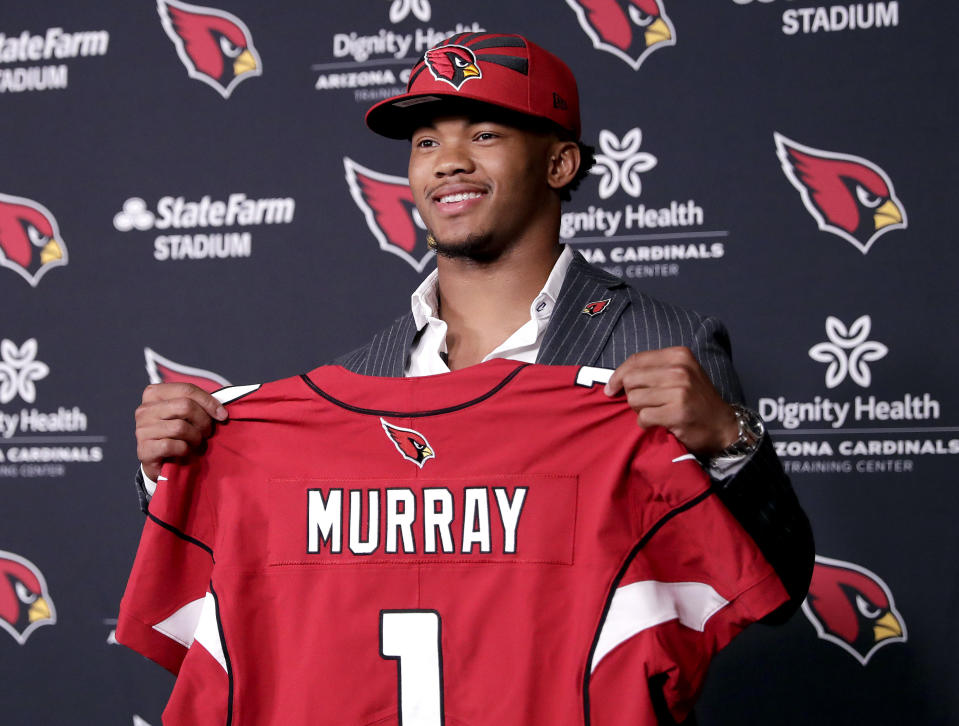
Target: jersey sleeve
(168, 585)
(694, 580)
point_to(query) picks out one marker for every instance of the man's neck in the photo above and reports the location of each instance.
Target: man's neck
(484, 303)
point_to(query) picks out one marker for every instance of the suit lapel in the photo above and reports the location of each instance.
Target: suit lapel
(574, 337)
(389, 349)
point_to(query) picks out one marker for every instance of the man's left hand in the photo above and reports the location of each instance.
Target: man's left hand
(669, 388)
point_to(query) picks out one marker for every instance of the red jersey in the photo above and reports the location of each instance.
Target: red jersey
(499, 546)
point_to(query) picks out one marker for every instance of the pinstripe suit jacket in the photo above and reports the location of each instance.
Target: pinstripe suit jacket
(760, 495)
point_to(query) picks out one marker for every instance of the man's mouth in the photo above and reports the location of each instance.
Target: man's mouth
(458, 197)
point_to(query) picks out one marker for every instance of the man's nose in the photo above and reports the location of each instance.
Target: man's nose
(453, 158)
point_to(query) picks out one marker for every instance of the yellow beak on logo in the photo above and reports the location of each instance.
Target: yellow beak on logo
(39, 610)
(887, 214)
(887, 627)
(51, 251)
(657, 33)
(244, 63)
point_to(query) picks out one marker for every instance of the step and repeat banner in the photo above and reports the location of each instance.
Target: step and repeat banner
(189, 193)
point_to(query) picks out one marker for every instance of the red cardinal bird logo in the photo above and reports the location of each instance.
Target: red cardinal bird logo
(387, 203)
(411, 444)
(629, 29)
(25, 603)
(853, 608)
(596, 307)
(847, 195)
(30, 241)
(164, 370)
(215, 46)
(454, 64)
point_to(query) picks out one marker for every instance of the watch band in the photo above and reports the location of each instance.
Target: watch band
(751, 431)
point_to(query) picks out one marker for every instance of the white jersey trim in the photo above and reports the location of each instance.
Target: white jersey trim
(181, 626)
(225, 395)
(642, 605)
(208, 631)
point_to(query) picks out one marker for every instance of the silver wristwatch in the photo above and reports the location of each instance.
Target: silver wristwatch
(751, 430)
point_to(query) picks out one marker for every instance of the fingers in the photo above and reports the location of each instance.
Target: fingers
(173, 420)
(160, 392)
(669, 367)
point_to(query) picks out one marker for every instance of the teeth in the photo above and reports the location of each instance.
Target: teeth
(450, 198)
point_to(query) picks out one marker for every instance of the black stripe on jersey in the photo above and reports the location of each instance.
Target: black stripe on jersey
(415, 414)
(616, 580)
(181, 535)
(226, 657)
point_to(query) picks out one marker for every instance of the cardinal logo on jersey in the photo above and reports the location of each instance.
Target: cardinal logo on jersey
(25, 603)
(411, 444)
(629, 29)
(453, 64)
(387, 203)
(846, 195)
(164, 370)
(30, 241)
(853, 608)
(214, 45)
(596, 307)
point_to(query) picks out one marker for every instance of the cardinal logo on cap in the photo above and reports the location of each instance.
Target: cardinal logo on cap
(452, 63)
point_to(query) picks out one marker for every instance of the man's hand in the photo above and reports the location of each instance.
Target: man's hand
(173, 420)
(669, 388)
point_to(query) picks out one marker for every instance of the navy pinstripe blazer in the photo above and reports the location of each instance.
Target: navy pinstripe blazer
(759, 496)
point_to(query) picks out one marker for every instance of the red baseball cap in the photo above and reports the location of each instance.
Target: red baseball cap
(507, 71)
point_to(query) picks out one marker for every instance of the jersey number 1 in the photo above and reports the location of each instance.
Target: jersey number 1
(412, 638)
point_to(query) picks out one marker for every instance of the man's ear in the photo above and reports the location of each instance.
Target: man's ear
(564, 162)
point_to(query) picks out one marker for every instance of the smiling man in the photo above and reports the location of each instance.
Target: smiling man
(494, 130)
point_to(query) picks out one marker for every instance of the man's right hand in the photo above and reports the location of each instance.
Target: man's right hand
(174, 419)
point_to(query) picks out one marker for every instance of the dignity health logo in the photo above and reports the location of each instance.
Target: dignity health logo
(848, 352)
(36, 442)
(19, 369)
(620, 163)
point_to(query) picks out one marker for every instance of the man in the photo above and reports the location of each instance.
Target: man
(494, 127)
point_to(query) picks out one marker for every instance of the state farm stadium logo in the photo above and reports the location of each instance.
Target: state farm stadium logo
(374, 63)
(847, 195)
(215, 46)
(846, 429)
(635, 239)
(36, 441)
(629, 29)
(387, 205)
(25, 601)
(204, 228)
(34, 61)
(30, 241)
(834, 18)
(852, 607)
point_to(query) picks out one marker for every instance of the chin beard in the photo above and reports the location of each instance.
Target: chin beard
(476, 247)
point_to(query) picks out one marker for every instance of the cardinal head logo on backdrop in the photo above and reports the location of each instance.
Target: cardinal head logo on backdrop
(30, 240)
(629, 29)
(846, 195)
(215, 46)
(387, 203)
(25, 602)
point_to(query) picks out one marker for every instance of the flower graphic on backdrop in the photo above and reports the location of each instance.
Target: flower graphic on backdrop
(19, 369)
(621, 162)
(400, 10)
(847, 352)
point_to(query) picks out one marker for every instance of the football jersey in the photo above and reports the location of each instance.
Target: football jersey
(498, 546)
